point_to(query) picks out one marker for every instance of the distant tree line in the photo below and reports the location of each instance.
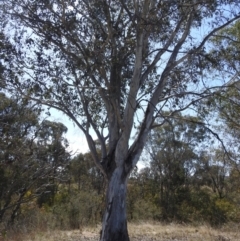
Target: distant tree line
(190, 175)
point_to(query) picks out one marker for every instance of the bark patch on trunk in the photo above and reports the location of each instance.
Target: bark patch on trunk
(115, 221)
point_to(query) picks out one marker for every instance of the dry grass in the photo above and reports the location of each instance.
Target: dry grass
(144, 231)
(176, 232)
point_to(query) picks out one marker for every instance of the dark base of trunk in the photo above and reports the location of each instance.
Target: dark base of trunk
(120, 236)
(114, 226)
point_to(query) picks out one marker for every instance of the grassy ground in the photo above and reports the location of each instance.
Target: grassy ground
(144, 231)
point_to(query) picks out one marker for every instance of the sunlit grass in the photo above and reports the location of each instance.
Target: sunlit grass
(178, 232)
(145, 231)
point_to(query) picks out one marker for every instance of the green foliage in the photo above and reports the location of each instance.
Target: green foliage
(227, 45)
(77, 209)
(184, 181)
(189, 205)
(78, 201)
(227, 102)
(28, 167)
(145, 209)
(173, 151)
(141, 200)
(181, 183)
(85, 174)
(201, 207)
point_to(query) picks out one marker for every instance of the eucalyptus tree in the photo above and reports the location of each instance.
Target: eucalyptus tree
(52, 155)
(173, 149)
(227, 45)
(27, 166)
(111, 65)
(17, 123)
(226, 104)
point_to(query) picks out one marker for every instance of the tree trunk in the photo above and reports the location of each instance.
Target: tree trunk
(114, 227)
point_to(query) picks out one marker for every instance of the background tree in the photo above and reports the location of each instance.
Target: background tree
(17, 124)
(27, 167)
(185, 181)
(173, 148)
(51, 151)
(226, 104)
(226, 48)
(109, 64)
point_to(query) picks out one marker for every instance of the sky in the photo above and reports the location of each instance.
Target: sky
(76, 139)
